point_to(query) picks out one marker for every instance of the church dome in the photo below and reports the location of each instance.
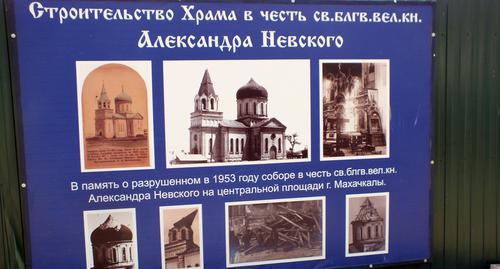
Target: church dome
(110, 231)
(124, 97)
(251, 90)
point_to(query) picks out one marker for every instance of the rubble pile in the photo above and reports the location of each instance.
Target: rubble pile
(287, 228)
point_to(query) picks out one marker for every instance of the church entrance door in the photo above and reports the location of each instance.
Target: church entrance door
(273, 153)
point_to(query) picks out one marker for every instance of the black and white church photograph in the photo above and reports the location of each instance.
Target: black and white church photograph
(111, 239)
(275, 231)
(355, 109)
(181, 236)
(236, 112)
(367, 224)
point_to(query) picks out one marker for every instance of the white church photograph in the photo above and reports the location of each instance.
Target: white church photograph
(236, 112)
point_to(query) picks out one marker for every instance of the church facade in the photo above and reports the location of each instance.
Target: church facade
(368, 229)
(252, 136)
(121, 122)
(181, 251)
(112, 246)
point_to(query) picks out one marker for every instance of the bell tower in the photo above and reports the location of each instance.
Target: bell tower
(205, 120)
(104, 115)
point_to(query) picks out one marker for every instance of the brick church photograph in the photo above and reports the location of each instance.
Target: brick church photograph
(115, 115)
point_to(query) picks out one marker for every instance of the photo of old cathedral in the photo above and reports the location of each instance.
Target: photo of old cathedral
(115, 114)
(121, 122)
(252, 136)
(111, 239)
(367, 224)
(181, 244)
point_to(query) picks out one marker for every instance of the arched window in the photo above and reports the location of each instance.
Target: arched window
(130, 253)
(124, 254)
(114, 258)
(255, 108)
(279, 145)
(266, 145)
(183, 234)
(372, 68)
(174, 235)
(105, 253)
(237, 146)
(242, 146)
(377, 235)
(256, 145)
(212, 103)
(239, 110)
(231, 144)
(375, 123)
(203, 103)
(246, 108)
(369, 232)
(262, 108)
(210, 145)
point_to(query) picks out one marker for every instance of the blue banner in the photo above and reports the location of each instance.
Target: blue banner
(220, 135)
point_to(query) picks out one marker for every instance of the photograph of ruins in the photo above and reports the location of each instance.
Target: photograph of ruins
(115, 110)
(111, 239)
(367, 224)
(275, 231)
(355, 109)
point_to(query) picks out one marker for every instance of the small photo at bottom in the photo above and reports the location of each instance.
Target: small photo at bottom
(367, 224)
(181, 236)
(275, 231)
(111, 239)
